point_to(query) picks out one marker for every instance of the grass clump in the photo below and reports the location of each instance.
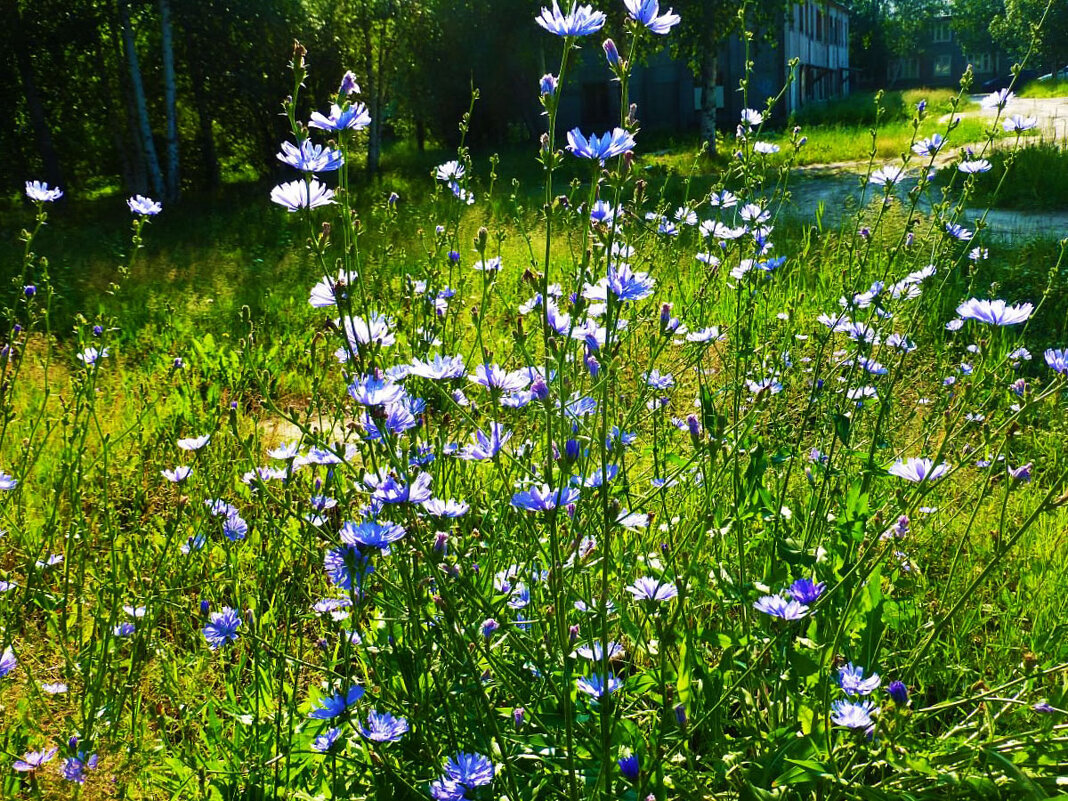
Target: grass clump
(1038, 178)
(1051, 88)
(862, 108)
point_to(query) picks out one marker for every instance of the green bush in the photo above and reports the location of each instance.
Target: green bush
(860, 108)
(1039, 179)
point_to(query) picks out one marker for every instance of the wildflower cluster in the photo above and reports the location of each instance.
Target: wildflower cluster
(644, 503)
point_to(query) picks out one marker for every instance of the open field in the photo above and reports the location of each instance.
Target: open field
(603, 475)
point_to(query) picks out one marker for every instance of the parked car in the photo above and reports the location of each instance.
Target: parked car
(1005, 81)
(1059, 75)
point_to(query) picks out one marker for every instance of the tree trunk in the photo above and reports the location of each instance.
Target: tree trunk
(114, 97)
(42, 134)
(206, 138)
(155, 176)
(374, 107)
(709, 73)
(133, 152)
(170, 95)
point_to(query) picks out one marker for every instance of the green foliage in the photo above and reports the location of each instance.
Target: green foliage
(1035, 27)
(1051, 88)
(763, 460)
(1039, 178)
(862, 108)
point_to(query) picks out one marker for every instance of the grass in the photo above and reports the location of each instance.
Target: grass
(1052, 88)
(1039, 179)
(860, 109)
(760, 462)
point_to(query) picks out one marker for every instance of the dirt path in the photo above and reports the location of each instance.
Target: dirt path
(1051, 113)
(840, 192)
(838, 186)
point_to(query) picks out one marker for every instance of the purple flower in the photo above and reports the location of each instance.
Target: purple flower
(382, 727)
(648, 588)
(994, 312)
(302, 194)
(958, 232)
(777, 606)
(493, 377)
(629, 767)
(8, 662)
(971, 167)
(611, 53)
(483, 446)
(628, 285)
(388, 489)
(124, 629)
(887, 175)
(544, 499)
(1057, 360)
(1017, 123)
(371, 534)
(1021, 473)
(438, 369)
(580, 21)
(998, 99)
(609, 145)
(178, 474)
(853, 714)
(597, 651)
(40, 192)
(899, 692)
(449, 508)
(354, 117)
(599, 685)
(806, 591)
(851, 680)
(348, 85)
(647, 13)
(194, 444)
(33, 760)
(346, 567)
(91, 356)
(917, 470)
(333, 706)
(470, 770)
(223, 627)
(930, 146)
(145, 206)
(325, 741)
(547, 85)
(310, 157)
(74, 767)
(235, 528)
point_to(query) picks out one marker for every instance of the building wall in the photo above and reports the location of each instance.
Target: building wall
(663, 89)
(940, 60)
(815, 32)
(817, 35)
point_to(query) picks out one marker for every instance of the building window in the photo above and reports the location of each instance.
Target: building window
(941, 32)
(982, 63)
(819, 26)
(910, 69)
(943, 65)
